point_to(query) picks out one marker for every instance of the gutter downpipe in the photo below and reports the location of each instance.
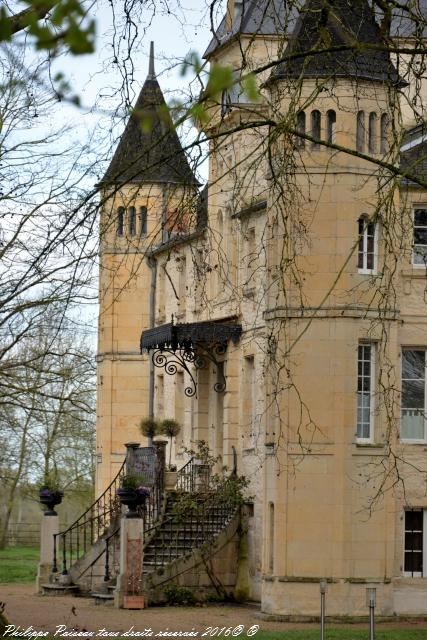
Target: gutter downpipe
(152, 263)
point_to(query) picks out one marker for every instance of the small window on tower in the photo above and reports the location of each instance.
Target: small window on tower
(132, 221)
(360, 132)
(120, 221)
(315, 128)
(301, 129)
(143, 221)
(331, 118)
(385, 126)
(372, 133)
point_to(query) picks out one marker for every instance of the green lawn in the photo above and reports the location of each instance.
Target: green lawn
(344, 634)
(18, 564)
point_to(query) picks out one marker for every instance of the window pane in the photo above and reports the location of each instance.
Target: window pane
(414, 520)
(420, 235)
(413, 364)
(420, 255)
(413, 540)
(412, 427)
(413, 392)
(413, 562)
(420, 217)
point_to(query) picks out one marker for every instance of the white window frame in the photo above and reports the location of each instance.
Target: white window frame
(417, 265)
(415, 440)
(372, 376)
(416, 574)
(364, 269)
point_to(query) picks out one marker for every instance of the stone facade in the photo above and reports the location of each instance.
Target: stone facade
(310, 250)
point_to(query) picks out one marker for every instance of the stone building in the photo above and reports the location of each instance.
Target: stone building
(287, 298)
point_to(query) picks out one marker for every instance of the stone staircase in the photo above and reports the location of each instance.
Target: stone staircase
(184, 531)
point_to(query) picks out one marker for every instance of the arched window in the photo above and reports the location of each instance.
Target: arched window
(372, 133)
(143, 221)
(385, 126)
(360, 132)
(367, 253)
(132, 221)
(331, 124)
(301, 129)
(316, 128)
(120, 221)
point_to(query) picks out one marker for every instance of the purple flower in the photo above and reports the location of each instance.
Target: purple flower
(143, 491)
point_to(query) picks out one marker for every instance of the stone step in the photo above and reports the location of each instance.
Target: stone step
(102, 598)
(53, 589)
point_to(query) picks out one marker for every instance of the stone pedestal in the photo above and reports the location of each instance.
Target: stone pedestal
(129, 590)
(49, 527)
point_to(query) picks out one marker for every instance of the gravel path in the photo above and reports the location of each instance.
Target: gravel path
(45, 613)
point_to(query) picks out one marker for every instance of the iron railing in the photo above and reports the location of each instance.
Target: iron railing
(196, 524)
(194, 476)
(72, 543)
(103, 514)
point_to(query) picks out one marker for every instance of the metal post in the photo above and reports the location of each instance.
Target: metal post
(371, 601)
(322, 586)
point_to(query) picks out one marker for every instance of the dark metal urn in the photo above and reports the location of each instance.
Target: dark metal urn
(132, 498)
(50, 498)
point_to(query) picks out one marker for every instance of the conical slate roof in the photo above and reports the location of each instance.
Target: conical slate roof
(259, 17)
(149, 149)
(325, 24)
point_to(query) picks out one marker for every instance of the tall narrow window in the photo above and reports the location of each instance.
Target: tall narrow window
(132, 221)
(415, 532)
(367, 253)
(365, 391)
(413, 398)
(385, 125)
(143, 221)
(301, 129)
(419, 251)
(360, 132)
(372, 133)
(249, 400)
(331, 122)
(316, 128)
(120, 221)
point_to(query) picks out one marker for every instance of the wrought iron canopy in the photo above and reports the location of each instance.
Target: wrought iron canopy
(180, 345)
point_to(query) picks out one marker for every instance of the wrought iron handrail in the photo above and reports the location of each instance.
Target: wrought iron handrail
(194, 476)
(75, 541)
(210, 513)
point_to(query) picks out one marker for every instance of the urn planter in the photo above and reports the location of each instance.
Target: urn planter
(132, 498)
(50, 498)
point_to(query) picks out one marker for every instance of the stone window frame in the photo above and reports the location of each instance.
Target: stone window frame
(422, 411)
(421, 546)
(417, 225)
(364, 376)
(365, 229)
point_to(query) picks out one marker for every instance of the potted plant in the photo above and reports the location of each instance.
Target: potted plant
(133, 493)
(50, 495)
(149, 428)
(170, 428)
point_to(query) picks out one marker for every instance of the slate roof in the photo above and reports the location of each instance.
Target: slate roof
(413, 157)
(333, 23)
(149, 149)
(260, 17)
